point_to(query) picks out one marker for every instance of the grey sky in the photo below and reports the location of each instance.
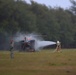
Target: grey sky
(53, 3)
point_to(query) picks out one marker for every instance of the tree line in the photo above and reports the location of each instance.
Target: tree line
(53, 23)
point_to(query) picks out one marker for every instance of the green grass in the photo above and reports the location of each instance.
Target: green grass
(45, 62)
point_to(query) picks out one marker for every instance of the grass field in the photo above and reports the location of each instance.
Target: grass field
(45, 62)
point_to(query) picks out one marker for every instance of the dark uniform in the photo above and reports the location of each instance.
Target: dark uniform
(58, 48)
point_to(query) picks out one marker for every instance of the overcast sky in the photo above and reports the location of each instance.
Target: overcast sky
(53, 3)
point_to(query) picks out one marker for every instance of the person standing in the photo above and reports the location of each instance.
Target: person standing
(58, 47)
(11, 48)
